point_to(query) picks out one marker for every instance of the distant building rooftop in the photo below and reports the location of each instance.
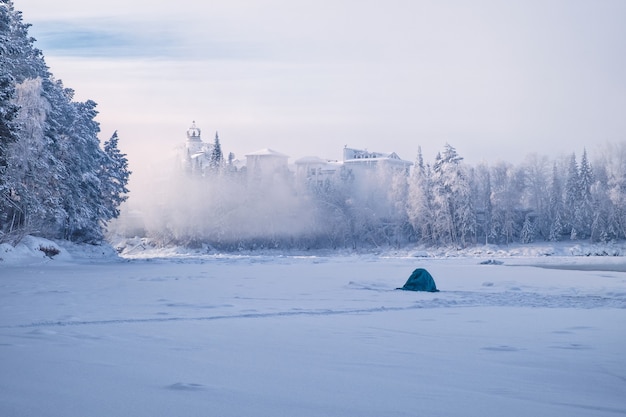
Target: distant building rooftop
(266, 152)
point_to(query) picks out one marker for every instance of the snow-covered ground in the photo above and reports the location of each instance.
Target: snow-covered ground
(86, 334)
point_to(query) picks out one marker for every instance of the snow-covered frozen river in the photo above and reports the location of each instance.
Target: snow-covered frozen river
(312, 336)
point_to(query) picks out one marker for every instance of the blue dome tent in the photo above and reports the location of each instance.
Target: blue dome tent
(420, 280)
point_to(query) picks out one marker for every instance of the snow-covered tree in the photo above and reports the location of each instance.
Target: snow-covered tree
(507, 185)
(333, 206)
(614, 161)
(72, 132)
(114, 174)
(34, 170)
(217, 158)
(8, 113)
(555, 207)
(527, 234)
(482, 195)
(586, 204)
(603, 218)
(455, 220)
(419, 200)
(573, 197)
(536, 192)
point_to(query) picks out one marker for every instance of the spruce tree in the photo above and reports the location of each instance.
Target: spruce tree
(455, 220)
(555, 209)
(419, 200)
(8, 113)
(573, 197)
(216, 158)
(482, 194)
(114, 174)
(527, 235)
(586, 204)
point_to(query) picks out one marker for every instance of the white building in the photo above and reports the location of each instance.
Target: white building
(356, 163)
(312, 170)
(196, 153)
(266, 165)
(194, 142)
(364, 159)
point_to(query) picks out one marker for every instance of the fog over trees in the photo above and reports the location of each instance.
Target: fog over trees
(446, 202)
(55, 179)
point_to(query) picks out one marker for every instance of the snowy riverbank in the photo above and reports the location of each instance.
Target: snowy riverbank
(33, 249)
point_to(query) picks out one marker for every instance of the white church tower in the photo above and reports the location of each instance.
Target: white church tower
(194, 143)
(196, 154)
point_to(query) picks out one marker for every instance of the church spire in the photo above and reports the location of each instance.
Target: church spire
(193, 133)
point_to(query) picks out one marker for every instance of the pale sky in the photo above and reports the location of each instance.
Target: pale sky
(495, 79)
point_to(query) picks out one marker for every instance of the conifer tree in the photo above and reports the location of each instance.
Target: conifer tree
(527, 235)
(603, 215)
(572, 199)
(115, 175)
(586, 204)
(216, 159)
(555, 209)
(455, 220)
(535, 171)
(482, 193)
(507, 184)
(419, 200)
(8, 113)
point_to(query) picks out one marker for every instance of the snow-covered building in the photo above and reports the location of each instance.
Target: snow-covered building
(312, 170)
(266, 164)
(363, 159)
(194, 142)
(196, 154)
